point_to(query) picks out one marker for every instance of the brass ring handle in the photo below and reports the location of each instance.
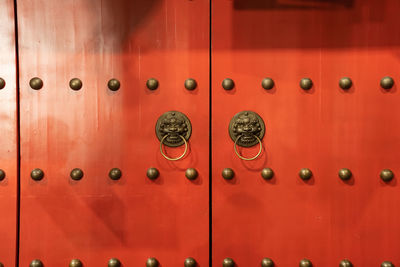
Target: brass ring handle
(243, 158)
(173, 159)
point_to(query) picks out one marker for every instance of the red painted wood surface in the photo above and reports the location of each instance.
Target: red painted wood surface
(8, 140)
(325, 129)
(95, 129)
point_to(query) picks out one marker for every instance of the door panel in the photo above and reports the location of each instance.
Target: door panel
(8, 132)
(96, 129)
(324, 219)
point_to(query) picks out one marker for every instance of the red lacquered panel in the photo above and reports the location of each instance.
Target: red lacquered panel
(8, 132)
(324, 129)
(96, 129)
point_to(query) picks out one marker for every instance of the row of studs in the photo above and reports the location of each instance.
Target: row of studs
(115, 174)
(191, 173)
(266, 262)
(190, 84)
(306, 83)
(306, 174)
(151, 262)
(113, 84)
(190, 262)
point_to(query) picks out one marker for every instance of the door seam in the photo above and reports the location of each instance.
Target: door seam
(18, 142)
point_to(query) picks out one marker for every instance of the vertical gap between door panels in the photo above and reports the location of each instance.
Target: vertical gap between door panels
(18, 125)
(210, 135)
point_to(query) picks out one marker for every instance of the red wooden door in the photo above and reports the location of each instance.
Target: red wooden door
(69, 124)
(9, 137)
(324, 219)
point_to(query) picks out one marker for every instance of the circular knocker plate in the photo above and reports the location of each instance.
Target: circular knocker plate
(173, 129)
(246, 129)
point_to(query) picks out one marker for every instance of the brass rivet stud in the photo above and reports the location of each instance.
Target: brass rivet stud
(190, 84)
(75, 84)
(152, 262)
(153, 173)
(76, 174)
(2, 85)
(266, 262)
(2, 175)
(267, 83)
(75, 263)
(36, 263)
(306, 84)
(228, 84)
(345, 83)
(228, 262)
(345, 263)
(387, 82)
(345, 174)
(37, 174)
(228, 174)
(114, 263)
(115, 174)
(190, 262)
(387, 264)
(305, 174)
(267, 173)
(152, 84)
(36, 83)
(191, 173)
(113, 84)
(386, 175)
(305, 263)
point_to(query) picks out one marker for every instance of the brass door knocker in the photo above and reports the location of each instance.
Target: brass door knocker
(247, 129)
(173, 129)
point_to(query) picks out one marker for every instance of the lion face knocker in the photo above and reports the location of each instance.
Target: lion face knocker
(172, 127)
(245, 127)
